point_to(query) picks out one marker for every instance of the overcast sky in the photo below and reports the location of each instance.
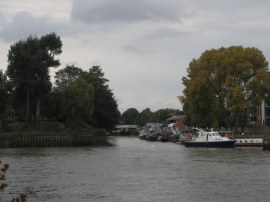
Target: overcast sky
(143, 46)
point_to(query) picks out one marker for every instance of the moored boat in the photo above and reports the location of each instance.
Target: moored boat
(249, 142)
(151, 132)
(209, 139)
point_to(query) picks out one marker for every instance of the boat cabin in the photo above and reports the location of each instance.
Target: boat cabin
(209, 136)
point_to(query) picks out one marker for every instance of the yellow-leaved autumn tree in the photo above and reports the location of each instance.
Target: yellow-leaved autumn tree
(223, 85)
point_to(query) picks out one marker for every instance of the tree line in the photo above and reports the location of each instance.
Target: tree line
(133, 117)
(223, 88)
(77, 97)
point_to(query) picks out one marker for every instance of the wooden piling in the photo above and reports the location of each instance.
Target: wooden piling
(266, 142)
(49, 141)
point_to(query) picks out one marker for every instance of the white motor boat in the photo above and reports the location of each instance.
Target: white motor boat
(209, 139)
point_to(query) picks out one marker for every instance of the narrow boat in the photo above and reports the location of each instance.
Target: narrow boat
(210, 139)
(249, 142)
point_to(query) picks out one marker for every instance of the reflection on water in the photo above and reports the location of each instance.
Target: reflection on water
(134, 170)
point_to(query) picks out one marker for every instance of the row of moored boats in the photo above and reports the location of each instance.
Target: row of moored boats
(195, 137)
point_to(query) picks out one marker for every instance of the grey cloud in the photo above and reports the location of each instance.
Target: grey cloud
(108, 11)
(144, 44)
(168, 33)
(227, 6)
(131, 48)
(24, 24)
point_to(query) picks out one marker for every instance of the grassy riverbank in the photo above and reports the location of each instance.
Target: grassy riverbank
(22, 129)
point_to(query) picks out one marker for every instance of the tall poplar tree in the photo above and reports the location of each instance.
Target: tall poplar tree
(28, 67)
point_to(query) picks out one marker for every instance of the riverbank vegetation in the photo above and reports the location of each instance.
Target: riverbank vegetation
(223, 88)
(46, 128)
(78, 102)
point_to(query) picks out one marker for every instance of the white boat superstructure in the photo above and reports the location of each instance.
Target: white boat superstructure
(209, 136)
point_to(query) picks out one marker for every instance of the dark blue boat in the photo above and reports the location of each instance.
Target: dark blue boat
(210, 139)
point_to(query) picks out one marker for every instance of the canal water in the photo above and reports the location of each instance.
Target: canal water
(133, 170)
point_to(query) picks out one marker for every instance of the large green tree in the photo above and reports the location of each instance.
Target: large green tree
(3, 95)
(62, 79)
(106, 114)
(66, 75)
(28, 67)
(223, 84)
(77, 101)
(162, 115)
(130, 116)
(144, 117)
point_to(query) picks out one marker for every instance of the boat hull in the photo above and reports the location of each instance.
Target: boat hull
(249, 142)
(217, 144)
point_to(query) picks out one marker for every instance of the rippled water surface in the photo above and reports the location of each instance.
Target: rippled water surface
(134, 170)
